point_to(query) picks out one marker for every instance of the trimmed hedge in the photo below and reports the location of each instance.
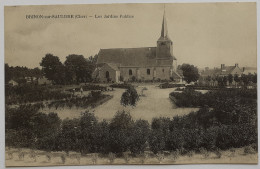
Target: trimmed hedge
(170, 85)
(230, 122)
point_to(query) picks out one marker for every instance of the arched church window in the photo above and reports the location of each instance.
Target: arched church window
(148, 71)
(130, 72)
(162, 70)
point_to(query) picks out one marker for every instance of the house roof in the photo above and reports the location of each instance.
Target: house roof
(228, 70)
(217, 71)
(113, 66)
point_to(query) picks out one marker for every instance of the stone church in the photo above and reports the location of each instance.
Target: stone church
(139, 64)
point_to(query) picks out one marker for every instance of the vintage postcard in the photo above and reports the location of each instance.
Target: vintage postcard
(109, 84)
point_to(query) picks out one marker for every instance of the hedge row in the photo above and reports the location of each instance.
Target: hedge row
(32, 93)
(192, 98)
(27, 127)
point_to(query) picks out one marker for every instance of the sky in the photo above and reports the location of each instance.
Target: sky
(203, 34)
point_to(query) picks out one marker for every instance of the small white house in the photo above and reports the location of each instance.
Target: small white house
(12, 83)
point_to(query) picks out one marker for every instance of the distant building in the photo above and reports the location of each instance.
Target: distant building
(145, 63)
(12, 83)
(249, 70)
(44, 81)
(222, 71)
(208, 76)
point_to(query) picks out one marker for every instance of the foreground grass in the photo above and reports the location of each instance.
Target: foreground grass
(27, 157)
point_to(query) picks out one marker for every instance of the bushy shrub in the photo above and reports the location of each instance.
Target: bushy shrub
(157, 141)
(26, 127)
(32, 93)
(230, 122)
(95, 94)
(120, 131)
(174, 140)
(69, 136)
(191, 98)
(139, 136)
(129, 97)
(249, 150)
(92, 87)
(236, 136)
(170, 85)
(122, 86)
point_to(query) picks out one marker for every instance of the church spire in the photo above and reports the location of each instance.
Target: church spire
(164, 32)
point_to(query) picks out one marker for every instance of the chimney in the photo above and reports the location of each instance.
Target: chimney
(222, 66)
(236, 65)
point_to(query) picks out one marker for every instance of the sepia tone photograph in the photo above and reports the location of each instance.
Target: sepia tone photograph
(131, 84)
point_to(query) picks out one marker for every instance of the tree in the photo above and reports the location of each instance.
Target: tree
(220, 81)
(254, 79)
(225, 79)
(190, 73)
(236, 79)
(214, 80)
(129, 97)
(19, 73)
(78, 68)
(88, 136)
(230, 79)
(93, 59)
(209, 78)
(50, 66)
(139, 138)
(245, 79)
(121, 132)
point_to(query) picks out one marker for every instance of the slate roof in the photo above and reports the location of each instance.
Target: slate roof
(113, 66)
(226, 70)
(132, 57)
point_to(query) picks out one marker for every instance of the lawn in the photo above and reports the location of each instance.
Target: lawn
(155, 103)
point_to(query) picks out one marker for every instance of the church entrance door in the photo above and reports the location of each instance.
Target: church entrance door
(107, 74)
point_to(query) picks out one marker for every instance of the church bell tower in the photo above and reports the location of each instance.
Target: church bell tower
(164, 48)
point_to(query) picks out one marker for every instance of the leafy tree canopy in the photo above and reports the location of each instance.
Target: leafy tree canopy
(190, 73)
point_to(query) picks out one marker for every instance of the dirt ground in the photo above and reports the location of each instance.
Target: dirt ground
(226, 157)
